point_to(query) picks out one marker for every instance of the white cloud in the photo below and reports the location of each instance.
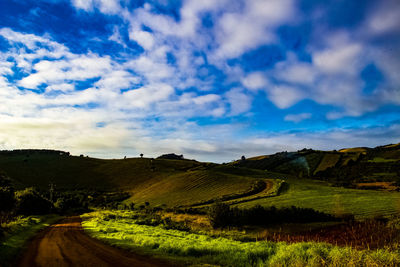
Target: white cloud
(284, 96)
(105, 6)
(383, 18)
(238, 32)
(153, 67)
(142, 97)
(116, 37)
(65, 87)
(116, 80)
(295, 72)
(239, 101)
(255, 80)
(77, 68)
(143, 38)
(297, 117)
(338, 59)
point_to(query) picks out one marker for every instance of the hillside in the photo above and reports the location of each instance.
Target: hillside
(346, 166)
(159, 181)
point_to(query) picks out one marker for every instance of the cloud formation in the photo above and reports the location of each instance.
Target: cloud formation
(211, 79)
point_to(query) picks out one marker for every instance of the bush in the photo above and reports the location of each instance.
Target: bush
(7, 199)
(30, 202)
(221, 215)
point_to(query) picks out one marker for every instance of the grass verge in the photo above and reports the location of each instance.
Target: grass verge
(17, 234)
(118, 228)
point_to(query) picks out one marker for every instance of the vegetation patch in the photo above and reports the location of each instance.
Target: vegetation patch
(123, 231)
(222, 215)
(328, 161)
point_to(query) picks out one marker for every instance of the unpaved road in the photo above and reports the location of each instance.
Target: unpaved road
(66, 244)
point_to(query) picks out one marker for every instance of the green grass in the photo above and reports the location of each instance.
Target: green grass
(335, 200)
(18, 232)
(380, 160)
(202, 249)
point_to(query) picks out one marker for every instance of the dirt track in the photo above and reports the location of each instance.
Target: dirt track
(66, 244)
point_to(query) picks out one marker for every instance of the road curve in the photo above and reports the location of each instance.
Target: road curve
(66, 244)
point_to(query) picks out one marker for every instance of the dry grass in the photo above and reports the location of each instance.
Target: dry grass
(369, 234)
(389, 186)
(354, 150)
(328, 161)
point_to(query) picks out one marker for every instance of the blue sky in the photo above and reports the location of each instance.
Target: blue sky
(212, 80)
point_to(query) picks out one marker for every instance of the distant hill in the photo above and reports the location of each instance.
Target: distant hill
(360, 164)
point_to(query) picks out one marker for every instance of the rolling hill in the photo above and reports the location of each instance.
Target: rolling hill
(159, 181)
(180, 182)
(344, 167)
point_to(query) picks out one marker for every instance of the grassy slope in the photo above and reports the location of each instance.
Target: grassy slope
(18, 233)
(159, 181)
(337, 200)
(367, 164)
(197, 248)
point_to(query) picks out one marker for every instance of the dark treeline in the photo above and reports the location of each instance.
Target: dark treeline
(33, 151)
(32, 201)
(222, 215)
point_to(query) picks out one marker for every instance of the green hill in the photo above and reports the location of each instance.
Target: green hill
(346, 166)
(159, 181)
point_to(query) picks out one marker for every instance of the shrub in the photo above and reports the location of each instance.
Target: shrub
(222, 215)
(7, 199)
(30, 202)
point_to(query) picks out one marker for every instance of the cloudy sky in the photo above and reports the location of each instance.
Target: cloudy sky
(212, 79)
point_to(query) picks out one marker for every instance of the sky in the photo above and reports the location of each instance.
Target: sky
(211, 79)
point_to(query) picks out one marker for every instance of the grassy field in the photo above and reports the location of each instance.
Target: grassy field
(335, 200)
(18, 232)
(119, 228)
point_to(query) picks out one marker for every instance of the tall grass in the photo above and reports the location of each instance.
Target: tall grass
(119, 228)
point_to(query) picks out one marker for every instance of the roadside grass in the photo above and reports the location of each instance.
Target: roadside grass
(17, 234)
(307, 193)
(118, 228)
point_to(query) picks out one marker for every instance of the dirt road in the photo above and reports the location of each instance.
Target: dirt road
(66, 244)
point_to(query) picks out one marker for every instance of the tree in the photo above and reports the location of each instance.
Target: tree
(243, 158)
(7, 199)
(30, 202)
(141, 155)
(220, 215)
